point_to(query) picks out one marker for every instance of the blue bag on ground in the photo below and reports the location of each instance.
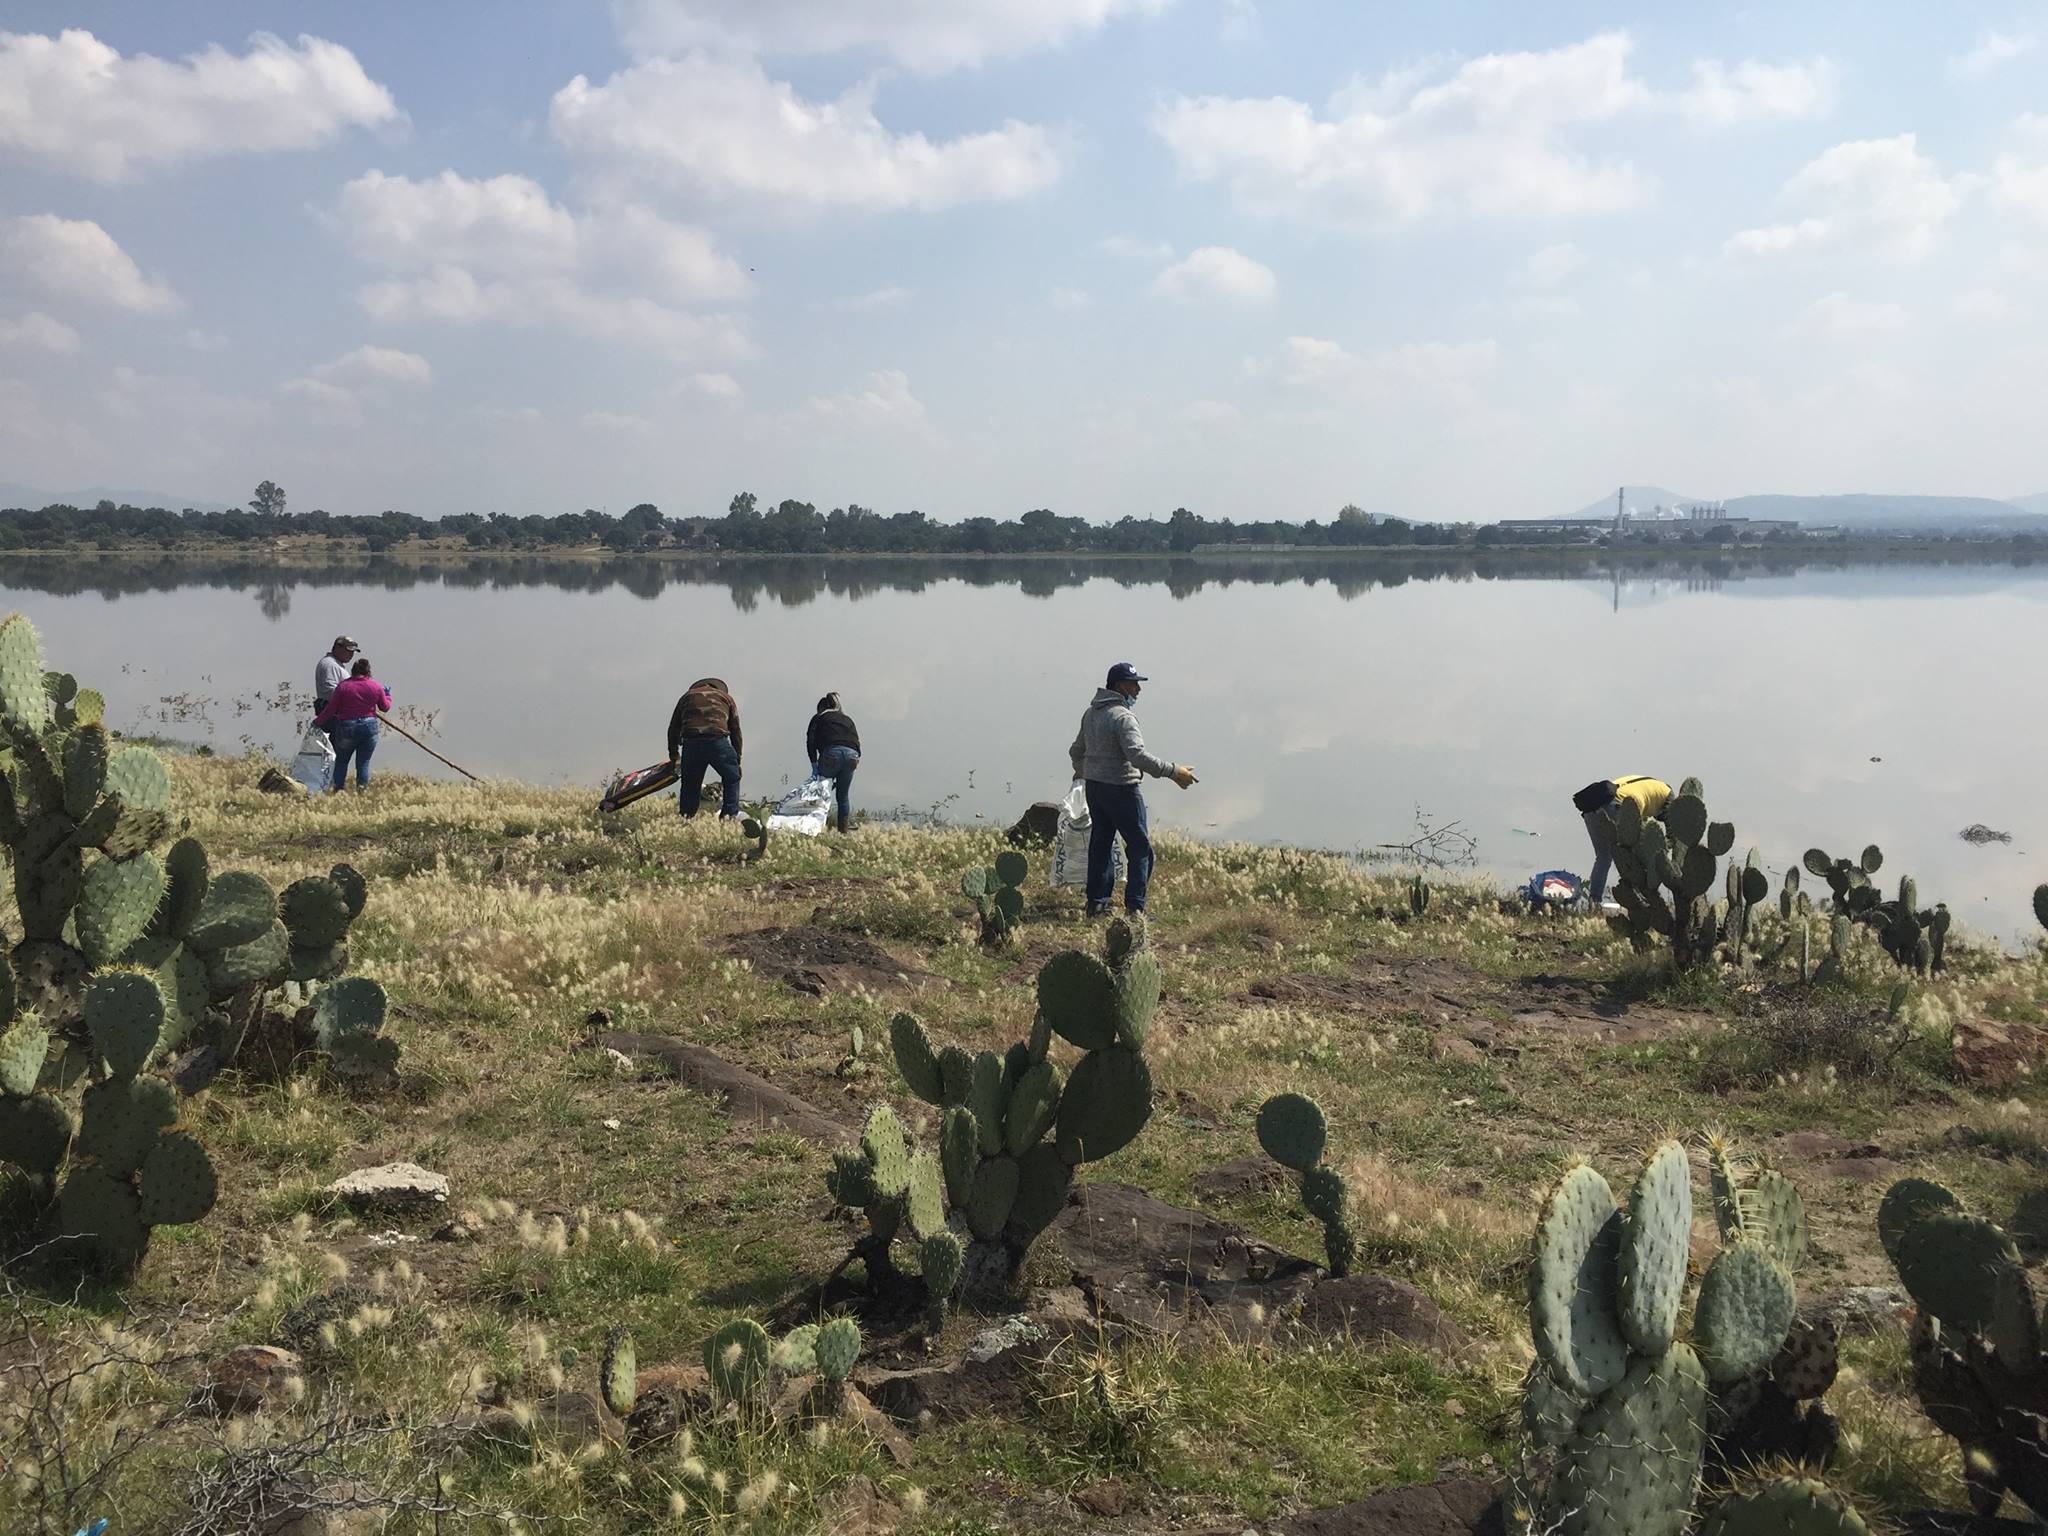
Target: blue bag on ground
(1552, 888)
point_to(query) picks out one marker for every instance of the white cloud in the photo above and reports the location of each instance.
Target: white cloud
(1124, 248)
(928, 36)
(78, 259)
(1216, 272)
(720, 128)
(328, 396)
(1068, 298)
(1211, 413)
(72, 104)
(472, 252)
(2019, 181)
(879, 298)
(884, 400)
(37, 332)
(378, 365)
(1554, 263)
(1879, 193)
(1986, 304)
(205, 341)
(1755, 92)
(1490, 140)
(1992, 51)
(714, 386)
(1837, 314)
(1315, 363)
(612, 421)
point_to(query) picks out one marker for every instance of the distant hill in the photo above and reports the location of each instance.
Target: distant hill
(1895, 513)
(13, 494)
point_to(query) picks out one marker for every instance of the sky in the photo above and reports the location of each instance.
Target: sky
(1260, 258)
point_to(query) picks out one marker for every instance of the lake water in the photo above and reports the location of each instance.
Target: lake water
(1822, 704)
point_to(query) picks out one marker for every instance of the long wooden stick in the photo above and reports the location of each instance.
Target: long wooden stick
(408, 735)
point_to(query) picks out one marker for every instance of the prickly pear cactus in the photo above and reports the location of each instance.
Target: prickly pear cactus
(1418, 897)
(1014, 1127)
(618, 1376)
(2041, 905)
(837, 1351)
(998, 895)
(1293, 1130)
(1665, 870)
(1625, 1415)
(1978, 1364)
(1785, 1506)
(1914, 937)
(132, 955)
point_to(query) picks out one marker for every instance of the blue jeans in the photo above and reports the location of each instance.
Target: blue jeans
(1117, 810)
(837, 764)
(353, 739)
(1601, 830)
(699, 754)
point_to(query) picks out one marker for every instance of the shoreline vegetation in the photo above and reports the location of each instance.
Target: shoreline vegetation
(439, 1366)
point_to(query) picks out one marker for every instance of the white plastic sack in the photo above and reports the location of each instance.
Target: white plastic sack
(313, 768)
(1070, 844)
(805, 809)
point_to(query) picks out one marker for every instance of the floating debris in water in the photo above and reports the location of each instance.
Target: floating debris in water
(1980, 834)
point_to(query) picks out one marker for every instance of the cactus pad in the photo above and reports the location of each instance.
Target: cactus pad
(1106, 1103)
(1136, 989)
(1125, 935)
(116, 903)
(912, 1048)
(1550, 1410)
(23, 1049)
(138, 776)
(121, 1119)
(737, 1358)
(1905, 1203)
(618, 1378)
(926, 1204)
(354, 1005)
(1034, 1105)
(1774, 1214)
(1012, 868)
(85, 771)
(959, 1153)
(178, 1182)
(852, 1181)
(125, 1012)
(1043, 1179)
(1572, 1302)
(1686, 817)
(237, 909)
(956, 1075)
(940, 1257)
(185, 874)
(103, 1211)
(1720, 837)
(315, 911)
(1756, 885)
(993, 1194)
(1631, 1467)
(1957, 1268)
(1785, 1506)
(1656, 1241)
(974, 884)
(796, 1352)
(838, 1348)
(353, 888)
(89, 707)
(23, 700)
(1077, 995)
(34, 1133)
(987, 1098)
(882, 1141)
(1293, 1130)
(1746, 1306)
(262, 962)
(2041, 905)
(1324, 1196)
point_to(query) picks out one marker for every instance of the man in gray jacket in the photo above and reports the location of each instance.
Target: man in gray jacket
(1109, 755)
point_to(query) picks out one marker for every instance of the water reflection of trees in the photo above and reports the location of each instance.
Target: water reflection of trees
(793, 581)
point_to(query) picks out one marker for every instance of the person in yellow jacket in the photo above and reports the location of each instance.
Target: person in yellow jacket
(1597, 803)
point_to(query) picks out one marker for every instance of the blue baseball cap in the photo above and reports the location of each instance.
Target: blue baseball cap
(1124, 672)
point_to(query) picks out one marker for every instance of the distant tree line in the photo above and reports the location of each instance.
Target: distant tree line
(748, 527)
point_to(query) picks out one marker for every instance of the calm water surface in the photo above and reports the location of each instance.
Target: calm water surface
(1831, 706)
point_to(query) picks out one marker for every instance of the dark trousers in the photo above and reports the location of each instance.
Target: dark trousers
(1117, 810)
(698, 755)
(837, 764)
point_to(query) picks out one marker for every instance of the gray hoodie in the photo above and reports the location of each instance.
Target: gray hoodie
(1109, 747)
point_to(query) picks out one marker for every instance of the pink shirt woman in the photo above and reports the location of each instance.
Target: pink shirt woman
(350, 720)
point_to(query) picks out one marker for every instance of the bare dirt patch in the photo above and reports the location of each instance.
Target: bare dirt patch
(818, 960)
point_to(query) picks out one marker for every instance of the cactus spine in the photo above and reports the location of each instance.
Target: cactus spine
(1293, 1130)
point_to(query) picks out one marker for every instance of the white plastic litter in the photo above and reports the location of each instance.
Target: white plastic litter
(805, 809)
(1070, 844)
(313, 768)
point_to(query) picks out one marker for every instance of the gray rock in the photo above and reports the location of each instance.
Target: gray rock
(1005, 1335)
(391, 1187)
(1858, 1308)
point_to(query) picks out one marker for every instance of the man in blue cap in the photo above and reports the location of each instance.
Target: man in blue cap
(1109, 756)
